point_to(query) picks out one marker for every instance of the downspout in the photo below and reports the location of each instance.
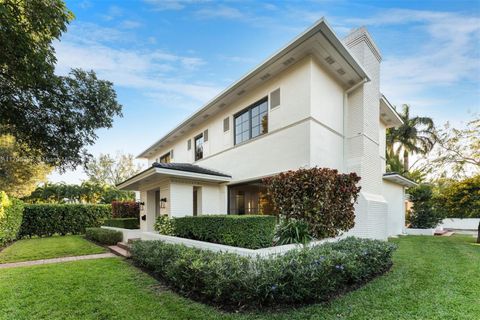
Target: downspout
(345, 100)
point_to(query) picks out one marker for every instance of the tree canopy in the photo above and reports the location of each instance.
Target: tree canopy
(415, 135)
(54, 117)
(107, 169)
(18, 175)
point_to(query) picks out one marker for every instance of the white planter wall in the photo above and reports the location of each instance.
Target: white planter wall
(460, 224)
(419, 232)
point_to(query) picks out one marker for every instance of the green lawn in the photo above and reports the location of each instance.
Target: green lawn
(45, 248)
(433, 278)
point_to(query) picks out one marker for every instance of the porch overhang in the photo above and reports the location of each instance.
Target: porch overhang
(158, 172)
(399, 179)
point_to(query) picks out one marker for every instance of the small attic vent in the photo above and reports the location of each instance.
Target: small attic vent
(241, 92)
(341, 71)
(288, 61)
(351, 82)
(220, 106)
(329, 60)
(192, 125)
(205, 116)
(265, 76)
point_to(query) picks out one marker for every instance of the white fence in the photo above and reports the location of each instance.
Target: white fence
(460, 224)
(151, 235)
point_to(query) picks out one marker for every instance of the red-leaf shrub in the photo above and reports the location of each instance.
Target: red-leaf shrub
(125, 209)
(321, 197)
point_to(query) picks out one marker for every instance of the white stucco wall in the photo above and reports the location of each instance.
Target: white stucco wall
(211, 198)
(294, 84)
(395, 196)
(460, 224)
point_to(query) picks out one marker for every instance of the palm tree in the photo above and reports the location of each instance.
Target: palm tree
(415, 135)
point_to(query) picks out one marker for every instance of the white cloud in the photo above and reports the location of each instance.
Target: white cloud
(130, 24)
(153, 72)
(220, 12)
(162, 5)
(448, 55)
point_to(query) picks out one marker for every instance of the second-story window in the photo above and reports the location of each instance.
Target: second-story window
(166, 158)
(251, 122)
(199, 147)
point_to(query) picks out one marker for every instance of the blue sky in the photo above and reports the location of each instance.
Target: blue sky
(168, 58)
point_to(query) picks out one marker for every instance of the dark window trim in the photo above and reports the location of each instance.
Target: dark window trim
(249, 110)
(169, 154)
(195, 146)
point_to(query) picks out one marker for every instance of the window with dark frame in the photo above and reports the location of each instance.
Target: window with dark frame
(189, 144)
(251, 122)
(198, 147)
(166, 158)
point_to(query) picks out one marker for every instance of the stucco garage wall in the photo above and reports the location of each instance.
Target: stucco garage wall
(395, 196)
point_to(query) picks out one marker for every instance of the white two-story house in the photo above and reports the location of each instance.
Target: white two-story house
(316, 102)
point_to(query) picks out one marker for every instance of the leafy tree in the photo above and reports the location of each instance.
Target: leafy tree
(87, 192)
(109, 170)
(423, 214)
(19, 175)
(52, 117)
(415, 135)
(458, 152)
(459, 199)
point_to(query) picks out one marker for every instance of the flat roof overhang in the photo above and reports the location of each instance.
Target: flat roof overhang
(318, 41)
(152, 175)
(399, 179)
(388, 114)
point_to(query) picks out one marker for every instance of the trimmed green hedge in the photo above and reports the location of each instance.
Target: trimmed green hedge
(11, 212)
(300, 276)
(246, 231)
(125, 223)
(103, 236)
(49, 219)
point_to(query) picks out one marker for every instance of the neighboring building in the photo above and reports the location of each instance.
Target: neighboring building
(316, 102)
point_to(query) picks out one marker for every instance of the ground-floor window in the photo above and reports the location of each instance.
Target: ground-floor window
(249, 198)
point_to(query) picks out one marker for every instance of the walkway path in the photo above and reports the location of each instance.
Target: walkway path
(56, 260)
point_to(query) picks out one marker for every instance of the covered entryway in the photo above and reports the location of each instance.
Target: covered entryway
(178, 190)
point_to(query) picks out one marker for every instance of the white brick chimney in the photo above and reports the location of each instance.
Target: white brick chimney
(362, 136)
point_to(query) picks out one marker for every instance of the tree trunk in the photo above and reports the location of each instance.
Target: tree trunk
(405, 161)
(478, 236)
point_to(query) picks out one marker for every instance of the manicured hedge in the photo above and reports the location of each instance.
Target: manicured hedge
(125, 209)
(48, 219)
(246, 231)
(299, 276)
(11, 212)
(103, 236)
(125, 223)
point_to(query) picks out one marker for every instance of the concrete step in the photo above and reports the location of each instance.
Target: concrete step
(119, 251)
(124, 245)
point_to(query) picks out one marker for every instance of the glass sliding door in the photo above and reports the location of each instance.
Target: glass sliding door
(249, 198)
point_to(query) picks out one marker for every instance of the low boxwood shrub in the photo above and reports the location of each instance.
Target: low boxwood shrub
(103, 236)
(49, 219)
(300, 276)
(125, 223)
(246, 231)
(11, 212)
(125, 209)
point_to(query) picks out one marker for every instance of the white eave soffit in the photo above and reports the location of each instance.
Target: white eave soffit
(318, 41)
(388, 114)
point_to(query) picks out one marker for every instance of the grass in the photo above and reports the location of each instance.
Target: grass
(432, 278)
(45, 248)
